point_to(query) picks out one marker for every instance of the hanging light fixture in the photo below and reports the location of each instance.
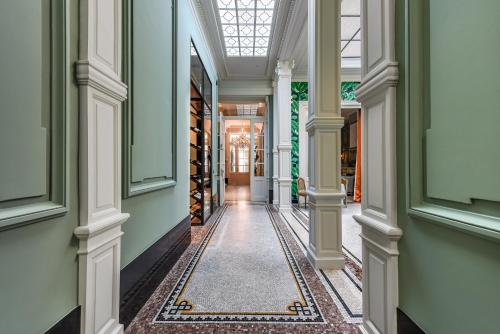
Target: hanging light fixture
(242, 140)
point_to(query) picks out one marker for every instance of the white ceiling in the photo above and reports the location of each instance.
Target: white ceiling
(288, 41)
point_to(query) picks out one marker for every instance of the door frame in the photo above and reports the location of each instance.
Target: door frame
(252, 120)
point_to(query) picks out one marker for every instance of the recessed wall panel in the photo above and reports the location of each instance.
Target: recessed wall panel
(462, 138)
(150, 112)
(24, 112)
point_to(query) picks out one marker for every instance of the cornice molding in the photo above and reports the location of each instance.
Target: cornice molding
(201, 17)
(283, 13)
(382, 77)
(324, 123)
(295, 23)
(91, 74)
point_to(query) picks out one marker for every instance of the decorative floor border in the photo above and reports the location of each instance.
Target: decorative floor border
(352, 272)
(177, 310)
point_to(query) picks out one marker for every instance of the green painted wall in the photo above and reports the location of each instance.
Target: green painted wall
(38, 275)
(155, 213)
(448, 279)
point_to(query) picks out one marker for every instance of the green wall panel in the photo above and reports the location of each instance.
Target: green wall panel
(23, 135)
(39, 268)
(33, 117)
(155, 213)
(448, 271)
(464, 113)
(150, 133)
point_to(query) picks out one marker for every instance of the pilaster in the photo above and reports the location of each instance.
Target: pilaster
(98, 73)
(275, 145)
(378, 218)
(324, 126)
(284, 92)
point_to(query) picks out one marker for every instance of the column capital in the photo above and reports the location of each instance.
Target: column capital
(329, 123)
(284, 68)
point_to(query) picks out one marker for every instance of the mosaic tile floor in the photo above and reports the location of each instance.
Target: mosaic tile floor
(245, 272)
(344, 285)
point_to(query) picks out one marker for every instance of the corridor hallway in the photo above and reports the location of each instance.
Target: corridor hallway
(245, 272)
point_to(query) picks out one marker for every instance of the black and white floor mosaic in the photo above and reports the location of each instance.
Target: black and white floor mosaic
(246, 272)
(257, 280)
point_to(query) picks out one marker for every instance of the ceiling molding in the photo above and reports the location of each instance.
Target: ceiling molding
(283, 12)
(295, 22)
(205, 19)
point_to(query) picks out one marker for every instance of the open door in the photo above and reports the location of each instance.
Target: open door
(258, 167)
(222, 160)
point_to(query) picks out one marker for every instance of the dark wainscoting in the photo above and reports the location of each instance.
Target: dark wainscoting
(406, 325)
(140, 278)
(70, 324)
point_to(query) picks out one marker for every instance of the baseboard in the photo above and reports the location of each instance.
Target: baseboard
(70, 324)
(140, 278)
(406, 325)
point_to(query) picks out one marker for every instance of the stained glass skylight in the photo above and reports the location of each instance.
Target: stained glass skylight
(246, 26)
(350, 33)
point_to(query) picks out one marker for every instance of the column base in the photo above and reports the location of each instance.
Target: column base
(325, 262)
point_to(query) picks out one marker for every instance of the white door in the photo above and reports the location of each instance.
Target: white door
(258, 163)
(222, 160)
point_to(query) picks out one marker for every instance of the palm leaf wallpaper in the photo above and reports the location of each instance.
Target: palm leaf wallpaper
(300, 93)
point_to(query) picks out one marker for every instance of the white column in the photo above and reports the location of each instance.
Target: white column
(284, 94)
(98, 72)
(380, 233)
(324, 126)
(275, 144)
(303, 141)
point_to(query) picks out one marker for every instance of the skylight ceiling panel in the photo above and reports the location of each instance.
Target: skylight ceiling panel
(230, 30)
(260, 51)
(231, 42)
(351, 7)
(228, 16)
(246, 17)
(246, 26)
(349, 27)
(246, 52)
(265, 4)
(247, 42)
(233, 52)
(222, 4)
(246, 4)
(262, 31)
(264, 17)
(352, 50)
(246, 30)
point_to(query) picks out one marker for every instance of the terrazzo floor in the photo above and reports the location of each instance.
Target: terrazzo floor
(245, 260)
(237, 193)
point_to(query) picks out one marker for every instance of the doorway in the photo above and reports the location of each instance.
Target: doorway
(238, 145)
(245, 154)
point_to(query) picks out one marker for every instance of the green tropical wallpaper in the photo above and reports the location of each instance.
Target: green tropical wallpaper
(300, 93)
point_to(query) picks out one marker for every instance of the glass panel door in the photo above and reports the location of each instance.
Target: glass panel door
(258, 177)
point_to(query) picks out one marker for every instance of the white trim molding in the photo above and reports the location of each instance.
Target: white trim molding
(283, 126)
(378, 218)
(98, 73)
(324, 128)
